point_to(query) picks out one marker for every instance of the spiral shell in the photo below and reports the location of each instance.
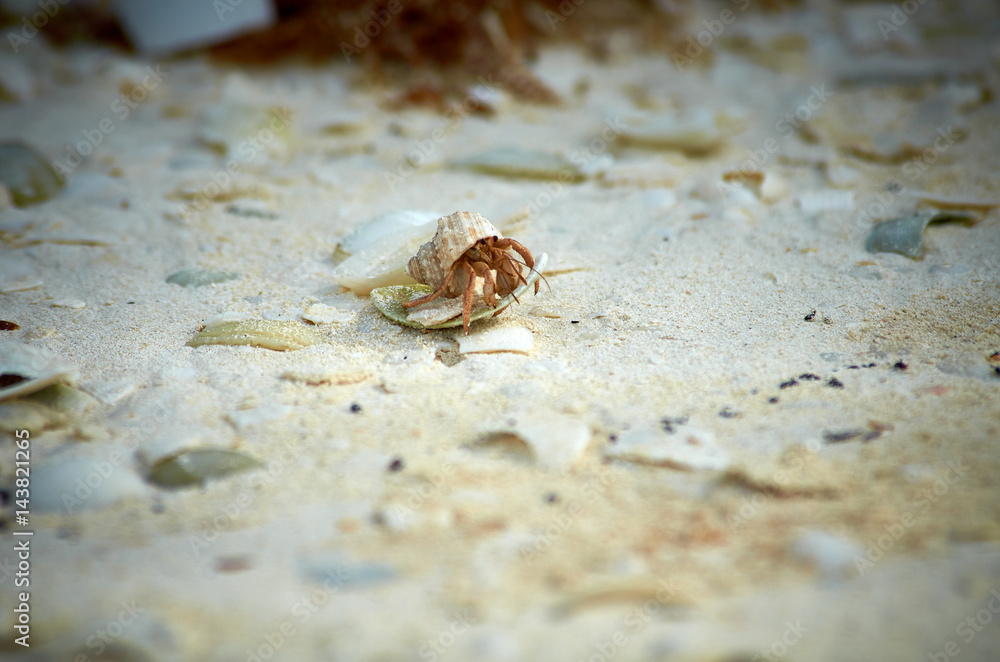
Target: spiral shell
(455, 234)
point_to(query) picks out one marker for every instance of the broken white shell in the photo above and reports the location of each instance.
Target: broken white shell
(556, 440)
(455, 234)
(382, 225)
(382, 262)
(27, 369)
(507, 339)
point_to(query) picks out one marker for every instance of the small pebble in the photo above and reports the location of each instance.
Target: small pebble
(670, 424)
(200, 277)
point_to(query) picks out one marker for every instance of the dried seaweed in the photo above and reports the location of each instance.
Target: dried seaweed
(445, 46)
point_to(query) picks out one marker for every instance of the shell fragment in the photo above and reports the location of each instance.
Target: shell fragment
(389, 301)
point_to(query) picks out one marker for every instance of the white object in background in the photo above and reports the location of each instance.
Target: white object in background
(160, 28)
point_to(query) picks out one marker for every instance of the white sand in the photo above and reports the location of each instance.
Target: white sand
(665, 298)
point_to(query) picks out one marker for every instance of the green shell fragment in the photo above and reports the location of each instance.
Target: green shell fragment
(905, 235)
(195, 467)
(200, 277)
(389, 300)
(29, 177)
(64, 399)
(527, 164)
(26, 415)
(281, 336)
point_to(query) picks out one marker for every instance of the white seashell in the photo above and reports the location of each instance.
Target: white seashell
(455, 234)
(701, 132)
(841, 175)
(278, 335)
(382, 262)
(69, 303)
(67, 486)
(832, 554)
(644, 174)
(515, 162)
(384, 224)
(687, 447)
(320, 313)
(958, 202)
(23, 285)
(556, 440)
(774, 189)
(507, 339)
(36, 366)
(813, 202)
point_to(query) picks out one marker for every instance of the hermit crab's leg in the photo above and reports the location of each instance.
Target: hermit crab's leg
(529, 260)
(489, 284)
(435, 294)
(468, 295)
(512, 275)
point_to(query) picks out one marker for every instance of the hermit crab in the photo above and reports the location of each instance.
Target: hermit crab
(467, 271)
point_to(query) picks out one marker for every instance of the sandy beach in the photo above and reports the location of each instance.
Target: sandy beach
(737, 434)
